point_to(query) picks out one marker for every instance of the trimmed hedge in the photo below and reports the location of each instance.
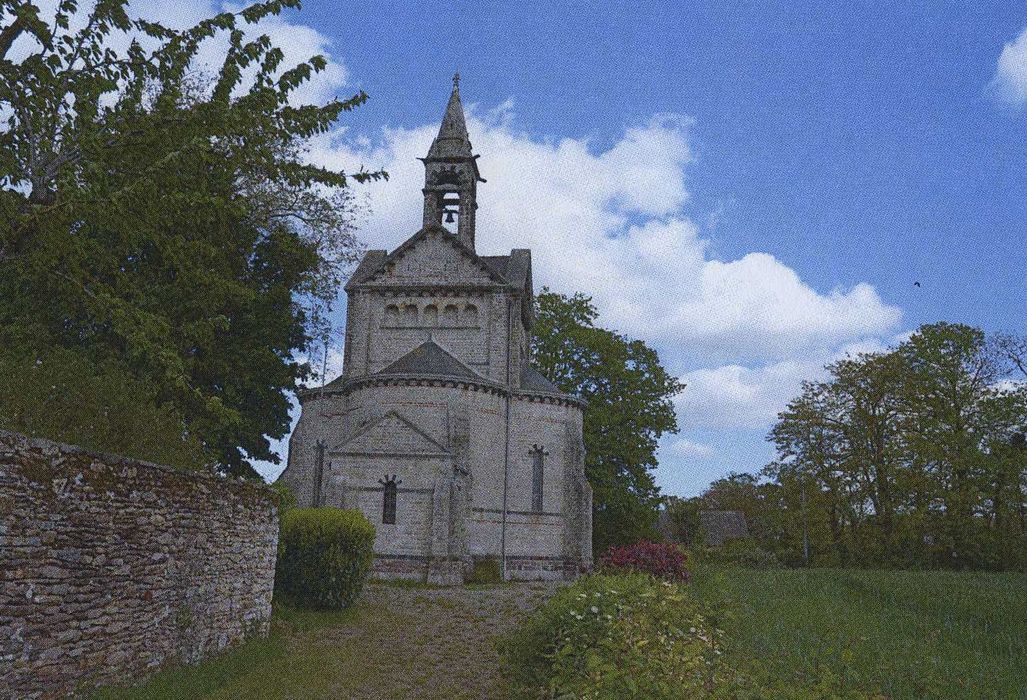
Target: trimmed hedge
(324, 556)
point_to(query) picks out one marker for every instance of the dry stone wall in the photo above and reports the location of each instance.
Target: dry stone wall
(112, 567)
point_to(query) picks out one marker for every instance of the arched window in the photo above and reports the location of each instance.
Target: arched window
(431, 315)
(449, 315)
(470, 315)
(389, 488)
(391, 315)
(410, 315)
(538, 455)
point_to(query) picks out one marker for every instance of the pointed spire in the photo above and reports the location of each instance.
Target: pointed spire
(452, 141)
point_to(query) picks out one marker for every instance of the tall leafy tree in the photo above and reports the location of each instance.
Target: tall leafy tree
(630, 406)
(915, 456)
(163, 222)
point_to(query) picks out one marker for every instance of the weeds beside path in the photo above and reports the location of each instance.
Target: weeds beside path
(398, 642)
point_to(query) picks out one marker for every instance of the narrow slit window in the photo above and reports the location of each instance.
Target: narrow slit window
(538, 455)
(388, 500)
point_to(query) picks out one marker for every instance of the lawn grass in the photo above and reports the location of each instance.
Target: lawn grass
(283, 657)
(904, 634)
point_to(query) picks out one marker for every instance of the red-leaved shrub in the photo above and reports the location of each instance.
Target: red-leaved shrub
(662, 560)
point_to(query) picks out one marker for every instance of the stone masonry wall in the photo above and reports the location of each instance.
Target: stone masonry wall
(111, 567)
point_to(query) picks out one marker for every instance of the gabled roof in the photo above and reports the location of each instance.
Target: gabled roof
(431, 360)
(533, 380)
(374, 261)
(719, 526)
(429, 445)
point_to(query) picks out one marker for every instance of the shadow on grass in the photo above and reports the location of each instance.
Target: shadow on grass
(288, 621)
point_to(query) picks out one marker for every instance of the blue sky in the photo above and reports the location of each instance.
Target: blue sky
(862, 143)
(753, 189)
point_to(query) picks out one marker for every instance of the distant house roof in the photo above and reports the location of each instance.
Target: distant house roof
(719, 526)
(533, 380)
(431, 360)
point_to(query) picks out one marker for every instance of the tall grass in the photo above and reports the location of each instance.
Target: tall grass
(904, 634)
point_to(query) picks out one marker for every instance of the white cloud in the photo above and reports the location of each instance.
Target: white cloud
(688, 449)
(750, 397)
(1010, 81)
(733, 396)
(612, 223)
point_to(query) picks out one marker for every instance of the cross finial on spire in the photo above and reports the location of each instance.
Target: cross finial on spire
(456, 80)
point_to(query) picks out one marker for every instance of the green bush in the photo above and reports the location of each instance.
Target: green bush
(324, 556)
(621, 636)
(286, 497)
(486, 570)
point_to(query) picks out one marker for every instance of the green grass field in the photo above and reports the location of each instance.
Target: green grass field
(903, 634)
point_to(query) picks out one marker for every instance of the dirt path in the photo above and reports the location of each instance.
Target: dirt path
(400, 643)
(446, 647)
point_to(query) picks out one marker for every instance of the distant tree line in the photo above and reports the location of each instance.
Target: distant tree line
(914, 457)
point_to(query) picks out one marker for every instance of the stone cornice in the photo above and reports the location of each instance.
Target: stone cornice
(372, 380)
(435, 289)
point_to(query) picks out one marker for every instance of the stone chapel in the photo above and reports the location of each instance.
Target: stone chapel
(439, 428)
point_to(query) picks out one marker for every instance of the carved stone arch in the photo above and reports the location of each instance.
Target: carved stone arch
(451, 315)
(391, 315)
(410, 314)
(431, 315)
(469, 315)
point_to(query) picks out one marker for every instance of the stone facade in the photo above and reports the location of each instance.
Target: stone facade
(439, 408)
(112, 567)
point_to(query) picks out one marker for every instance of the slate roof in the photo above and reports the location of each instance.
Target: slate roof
(719, 526)
(430, 359)
(533, 380)
(452, 141)
(498, 263)
(371, 261)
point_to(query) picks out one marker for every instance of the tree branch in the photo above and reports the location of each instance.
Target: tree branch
(9, 34)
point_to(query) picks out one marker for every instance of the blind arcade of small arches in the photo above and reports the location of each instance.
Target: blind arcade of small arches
(451, 315)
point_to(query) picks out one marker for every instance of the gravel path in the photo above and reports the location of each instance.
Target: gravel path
(434, 643)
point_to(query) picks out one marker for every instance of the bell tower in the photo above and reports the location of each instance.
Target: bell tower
(451, 174)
